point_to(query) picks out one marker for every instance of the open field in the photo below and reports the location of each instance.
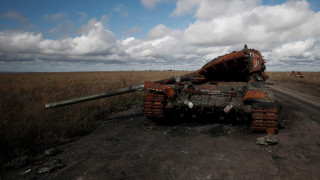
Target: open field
(27, 128)
(310, 78)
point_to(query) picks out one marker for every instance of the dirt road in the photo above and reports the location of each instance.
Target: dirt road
(135, 148)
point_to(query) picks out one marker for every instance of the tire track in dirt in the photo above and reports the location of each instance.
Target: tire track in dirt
(309, 104)
(305, 98)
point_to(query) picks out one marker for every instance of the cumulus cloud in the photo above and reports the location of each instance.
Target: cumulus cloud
(185, 7)
(287, 35)
(95, 42)
(158, 31)
(19, 42)
(275, 30)
(253, 24)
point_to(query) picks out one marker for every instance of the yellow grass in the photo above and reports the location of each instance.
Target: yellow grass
(26, 127)
(310, 78)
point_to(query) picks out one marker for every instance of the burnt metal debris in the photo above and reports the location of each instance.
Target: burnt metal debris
(227, 89)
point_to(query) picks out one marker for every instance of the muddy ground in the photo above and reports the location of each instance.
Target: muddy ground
(136, 148)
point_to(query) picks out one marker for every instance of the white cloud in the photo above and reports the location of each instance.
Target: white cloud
(185, 7)
(127, 41)
(288, 35)
(150, 4)
(220, 8)
(297, 55)
(158, 31)
(94, 42)
(252, 24)
(19, 42)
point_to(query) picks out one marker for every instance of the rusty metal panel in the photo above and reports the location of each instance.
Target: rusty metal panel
(255, 94)
(167, 90)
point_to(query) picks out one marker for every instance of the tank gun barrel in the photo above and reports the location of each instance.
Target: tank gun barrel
(114, 92)
(95, 96)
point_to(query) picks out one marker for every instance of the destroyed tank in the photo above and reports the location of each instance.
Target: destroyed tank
(228, 89)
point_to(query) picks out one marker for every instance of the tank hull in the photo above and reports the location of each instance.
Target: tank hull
(225, 102)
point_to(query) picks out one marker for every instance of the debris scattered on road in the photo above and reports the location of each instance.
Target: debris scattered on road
(52, 152)
(185, 152)
(50, 166)
(17, 163)
(25, 172)
(272, 139)
(269, 139)
(261, 141)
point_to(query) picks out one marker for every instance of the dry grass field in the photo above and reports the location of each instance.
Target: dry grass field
(310, 78)
(26, 127)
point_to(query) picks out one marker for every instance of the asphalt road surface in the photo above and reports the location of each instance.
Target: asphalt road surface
(135, 148)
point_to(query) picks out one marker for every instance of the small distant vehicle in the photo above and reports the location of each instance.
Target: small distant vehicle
(297, 74)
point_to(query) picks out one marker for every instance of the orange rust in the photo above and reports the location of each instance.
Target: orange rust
(252, 57)
(255, 94)
(264, 75)
(153, 106)
(257, 60)
(270, 131)
(198, 79)
(167, 90)
(265, 119)
(223, 60)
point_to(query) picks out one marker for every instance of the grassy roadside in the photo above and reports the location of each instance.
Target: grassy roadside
(310, 78)
(26, 127)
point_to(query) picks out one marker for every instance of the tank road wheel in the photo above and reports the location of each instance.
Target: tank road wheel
(265, 119)
(153, 106)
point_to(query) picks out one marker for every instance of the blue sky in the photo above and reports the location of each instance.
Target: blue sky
(122, 15)
(87, 35)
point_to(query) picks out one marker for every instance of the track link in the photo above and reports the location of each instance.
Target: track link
(265, 119)
(153, 106)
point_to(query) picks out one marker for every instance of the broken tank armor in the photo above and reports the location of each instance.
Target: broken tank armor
(229, 88)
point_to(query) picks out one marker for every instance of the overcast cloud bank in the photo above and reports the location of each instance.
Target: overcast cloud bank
(288, 35)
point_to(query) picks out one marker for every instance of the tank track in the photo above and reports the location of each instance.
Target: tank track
(265, 119)
(153, 106)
